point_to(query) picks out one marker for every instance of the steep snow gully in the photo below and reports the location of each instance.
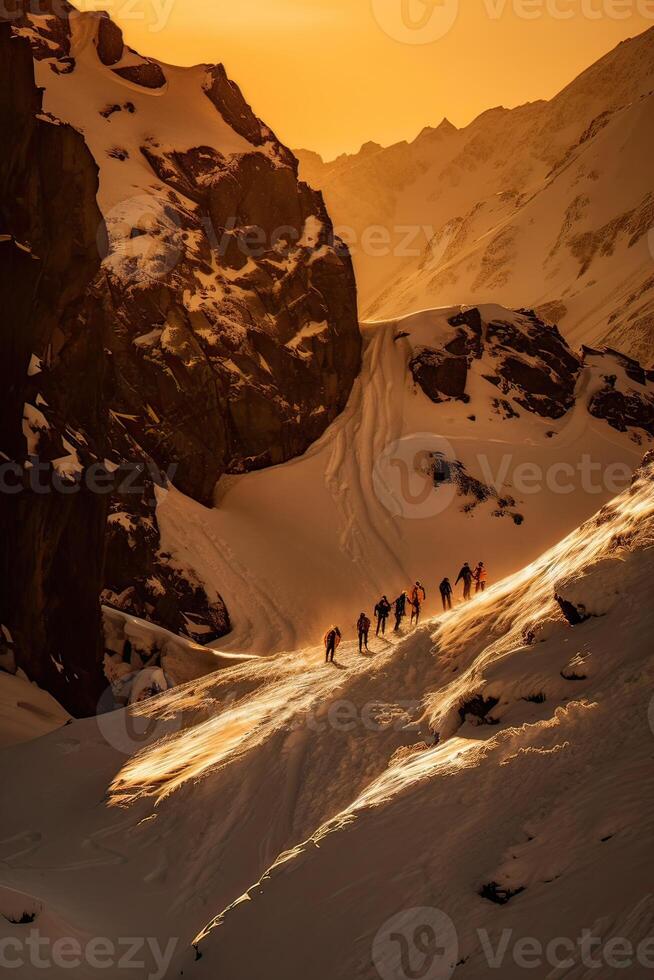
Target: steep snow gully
(483, 777)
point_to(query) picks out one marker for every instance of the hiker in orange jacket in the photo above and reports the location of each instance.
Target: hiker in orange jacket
(416, 597)
(332, 640)
(480, 576)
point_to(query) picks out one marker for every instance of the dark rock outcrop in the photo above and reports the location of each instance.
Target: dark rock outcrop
(140, 578)
(626, 398)
(230, 310)
(527, 360)
(439, 375)
(539, 366)
(148, 74)
(534, 370)
(52, 416)
(575, 615)
(443, 373)
(229, 101)
(109, 42)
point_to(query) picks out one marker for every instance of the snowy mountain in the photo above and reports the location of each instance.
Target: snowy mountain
(219, 334)
(549, 205)
(230, 320)
(472, 433)
(204, 462)
(487, 773)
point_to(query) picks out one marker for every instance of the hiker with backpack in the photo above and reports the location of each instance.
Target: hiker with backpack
(382, 610)
(466, 576)
(400, 610)
(363, 629)
(332, 640)
(480, 576)
(446, 593)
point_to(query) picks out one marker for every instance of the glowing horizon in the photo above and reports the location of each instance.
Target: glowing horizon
(330, 75)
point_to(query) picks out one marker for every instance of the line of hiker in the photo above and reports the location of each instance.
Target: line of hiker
(411, 599)
(408, 602)
(467, 576)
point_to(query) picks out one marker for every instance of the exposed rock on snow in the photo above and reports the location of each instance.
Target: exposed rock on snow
(134, 646)
(533, 368)
(523, 357)
(626, 398)
(139, 576)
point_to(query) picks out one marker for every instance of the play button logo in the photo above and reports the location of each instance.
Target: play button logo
(416, 21)
(416, 944)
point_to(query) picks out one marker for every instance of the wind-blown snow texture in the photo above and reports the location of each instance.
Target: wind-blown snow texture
(298, 802)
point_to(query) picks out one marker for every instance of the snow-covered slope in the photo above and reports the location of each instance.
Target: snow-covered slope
(274, 807)
(26, 712)
(532, 815)
(549, 205)
(362, 513)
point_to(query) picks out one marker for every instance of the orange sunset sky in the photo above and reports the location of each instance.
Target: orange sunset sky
(331, 74)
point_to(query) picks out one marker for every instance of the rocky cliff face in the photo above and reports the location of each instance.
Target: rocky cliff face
(230, 314)
(52, 416)
(226, 310)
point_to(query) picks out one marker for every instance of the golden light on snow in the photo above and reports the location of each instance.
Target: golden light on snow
(281, 692)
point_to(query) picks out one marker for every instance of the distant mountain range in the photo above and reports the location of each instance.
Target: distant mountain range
(549, 205)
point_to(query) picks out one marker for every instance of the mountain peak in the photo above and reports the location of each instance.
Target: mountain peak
(370, 147)
(446, 126)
